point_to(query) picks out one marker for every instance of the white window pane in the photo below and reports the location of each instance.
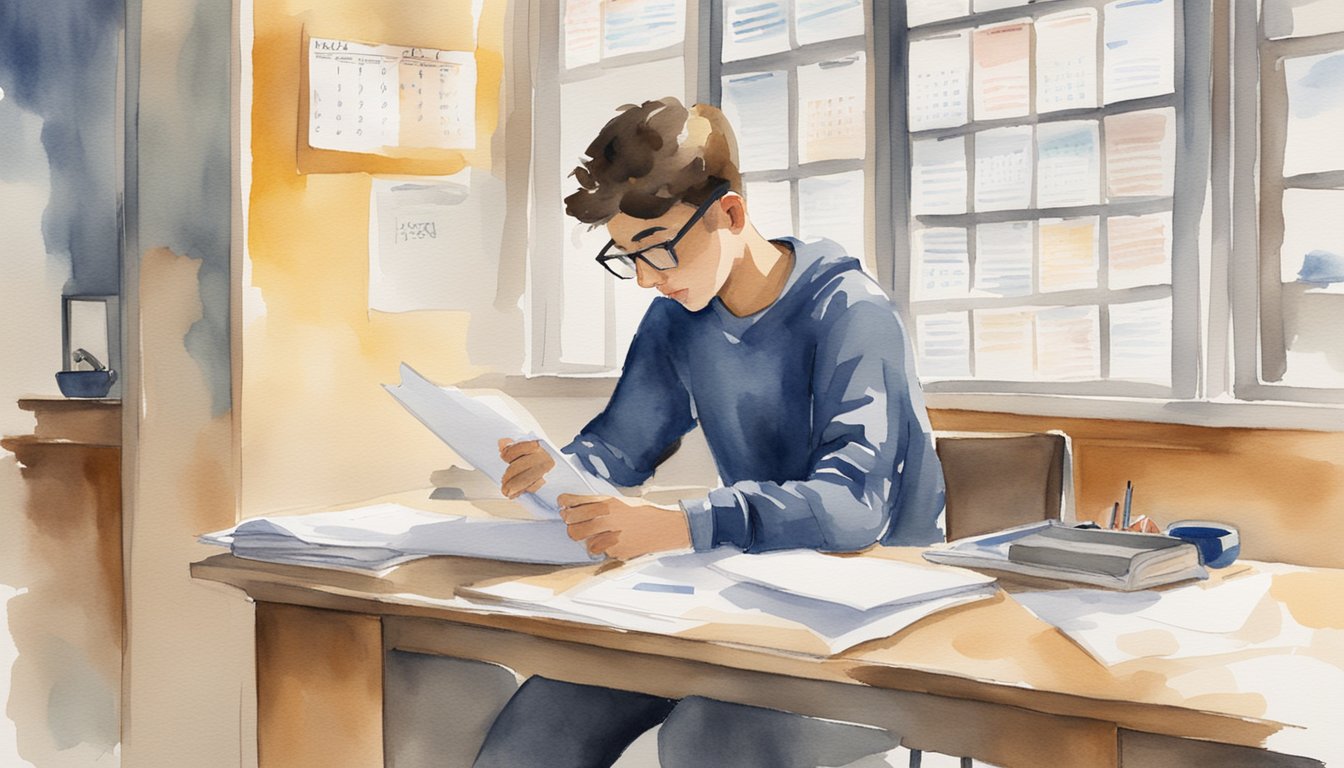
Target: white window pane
(757, 106)
(1311, 330)
(1297, 18)
(940, 75)
(1068, 343)
(1139, 250)
(88, 331)
(1068, 254)
(1066, 60)
(942, 265)
(1003, 256)
(583, 313)
(1002, 70)
(754, 28)
(938, 176)
(1313, 240)
(818, 20)
(629, 302)
(944, 342)
(1004, 341)
(770, 207)
(831, 122)
(583, 32)
(924, 11)
(1315, 114)
(1068, 164)
(1003, 168)
(1140, 57)
(1141, 153)
(832, 207)
(1141, 341)
(631, 26)
(993, 5)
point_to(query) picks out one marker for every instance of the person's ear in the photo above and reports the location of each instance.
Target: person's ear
(734, 210)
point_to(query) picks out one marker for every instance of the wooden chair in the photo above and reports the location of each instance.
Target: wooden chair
(996, 480)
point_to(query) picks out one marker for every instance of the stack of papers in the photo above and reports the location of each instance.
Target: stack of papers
(378, 537)
(841, 601)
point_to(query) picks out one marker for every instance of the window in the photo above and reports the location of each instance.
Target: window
(1044, 216)
(1300, 243)
(792, 78)
(600, 55)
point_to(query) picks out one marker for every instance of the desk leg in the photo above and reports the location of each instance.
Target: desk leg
(319, 688)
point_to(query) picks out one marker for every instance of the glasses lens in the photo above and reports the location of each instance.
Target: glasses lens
(620, 265)
(660, 258)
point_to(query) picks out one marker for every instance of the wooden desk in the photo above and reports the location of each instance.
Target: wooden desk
(987, 680)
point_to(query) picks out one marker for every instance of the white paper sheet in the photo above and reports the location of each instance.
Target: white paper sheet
(757, 106)
(1003, 258)
(1004, 342)
(1140, 58)
(1003, 168)
(754, 28)
(1068, 164)
(919, 12)
(940, 80)
(1001, 75)
(831, 117)
(583, 32)
(816, 21)
(770, 207)
(938, 177)
(1141, 153)
(944, 341)
(1068, 343)
(942, 264)
(1315, 113)
(1139, 250)
(633, 26)
(1141, 341)
(1066, 60)
(832, 206)
(473, 430)
(1067, 254)
(862, 583)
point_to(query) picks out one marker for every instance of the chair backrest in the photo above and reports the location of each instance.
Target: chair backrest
(997, 480)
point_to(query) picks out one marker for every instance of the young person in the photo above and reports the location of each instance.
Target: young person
(794, 364)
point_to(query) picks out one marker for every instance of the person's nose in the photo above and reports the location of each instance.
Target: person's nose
(647, 276)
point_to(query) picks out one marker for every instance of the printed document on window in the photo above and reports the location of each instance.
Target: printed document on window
(473, 426)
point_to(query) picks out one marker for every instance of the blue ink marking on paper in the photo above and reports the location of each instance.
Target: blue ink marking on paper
(677, 589)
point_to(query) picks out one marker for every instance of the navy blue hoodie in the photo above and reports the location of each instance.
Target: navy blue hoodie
(811, 408)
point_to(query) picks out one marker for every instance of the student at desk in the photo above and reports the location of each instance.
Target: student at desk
(798, 371)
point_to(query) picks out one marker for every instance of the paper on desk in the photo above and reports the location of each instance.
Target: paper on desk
(861, 583)
(1185, 622)
(379, 536)
(473, 426)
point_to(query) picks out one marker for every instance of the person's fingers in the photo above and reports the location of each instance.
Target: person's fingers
(577, 499)
(584, 529)
(504, 442)
(577, 513)
(533, 488)
(599, 544)
(513, 451)
(520, 476)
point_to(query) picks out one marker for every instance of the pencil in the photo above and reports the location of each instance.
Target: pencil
(1129, 497)
(1115, 512)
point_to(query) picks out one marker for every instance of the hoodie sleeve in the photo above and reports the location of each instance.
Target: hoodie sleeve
(648, 412)
(864, 419)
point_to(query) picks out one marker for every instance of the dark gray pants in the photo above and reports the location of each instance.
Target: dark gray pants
(566, 725)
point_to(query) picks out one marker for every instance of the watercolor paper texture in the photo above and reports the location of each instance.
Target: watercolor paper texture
(1066, 60)
(757, 105)
(940, 81)
(1002, 70)
(1315, 112)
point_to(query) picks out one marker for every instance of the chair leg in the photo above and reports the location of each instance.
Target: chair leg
(916, 758)
(966, 762)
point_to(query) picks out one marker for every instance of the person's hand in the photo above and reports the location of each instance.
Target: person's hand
(528, 464)
(623, 528)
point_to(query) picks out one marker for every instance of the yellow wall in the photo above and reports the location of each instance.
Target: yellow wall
(316, 428)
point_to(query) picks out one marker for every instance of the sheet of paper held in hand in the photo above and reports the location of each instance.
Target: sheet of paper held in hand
(472, 427)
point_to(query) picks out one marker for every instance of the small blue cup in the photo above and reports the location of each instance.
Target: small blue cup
(85, 383)
(1219, 544)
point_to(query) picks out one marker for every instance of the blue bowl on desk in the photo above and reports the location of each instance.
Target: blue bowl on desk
(1219, 544)
(85, 383)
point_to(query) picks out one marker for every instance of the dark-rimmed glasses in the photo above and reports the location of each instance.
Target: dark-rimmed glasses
(661, 256)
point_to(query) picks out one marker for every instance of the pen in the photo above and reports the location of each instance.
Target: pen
(1115, 512)
(1129, 497)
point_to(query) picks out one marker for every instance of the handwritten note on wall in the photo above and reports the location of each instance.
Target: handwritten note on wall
(366, 98)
